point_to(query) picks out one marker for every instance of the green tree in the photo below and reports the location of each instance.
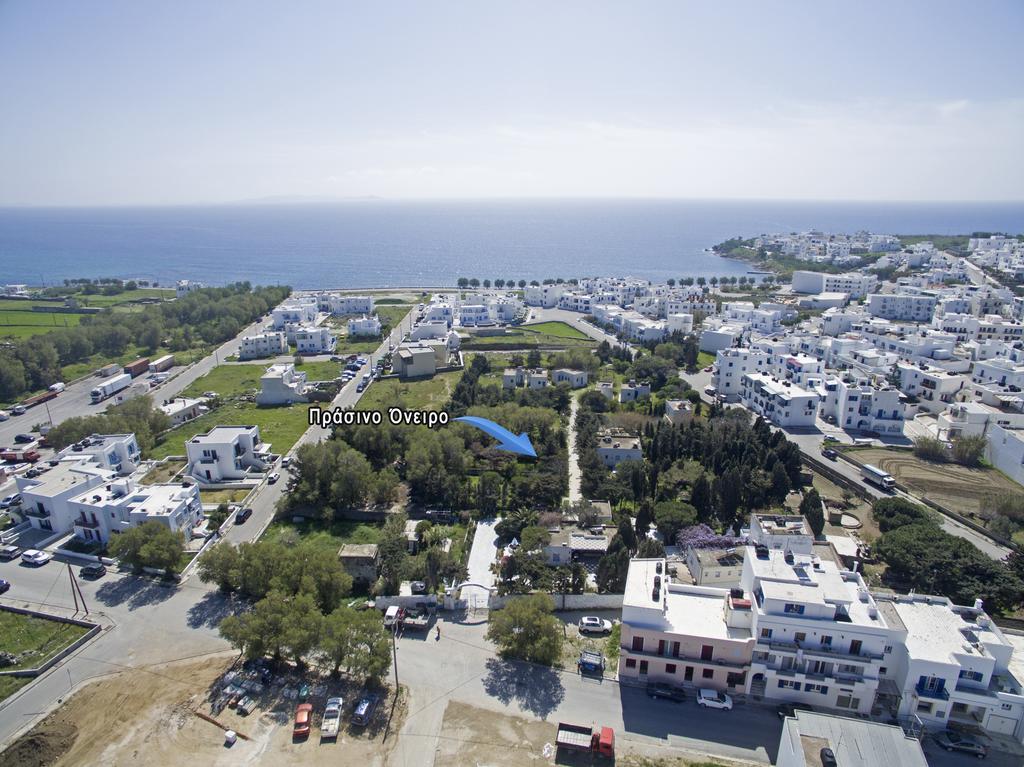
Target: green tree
(969, 451)
(650, 549)
(392, 551)
(612, 568)
(810, 507)
(150, 544)
(356, 640)
(220, 564)
(700, 498)
(672, 516)
(779, 483)
(527, 629)
(261, 631)
(535, 538)
(892, 513)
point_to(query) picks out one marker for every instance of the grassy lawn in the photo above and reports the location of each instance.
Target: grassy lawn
(524, 338)
(425, 394)
(25, 323)
(217, 497)
(704, 359)
(228, 381)
(320, 371)
(11, 684)
(955, 487)
(328, 535)
(557, 329)
(281, 426)
(127, 297)
(163, 473)
(34, 639)
(85, 367)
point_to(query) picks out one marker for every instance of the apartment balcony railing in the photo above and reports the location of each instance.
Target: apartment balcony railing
(821, 650)
(34, 512)
(90, 523)
(925, 692)
(834, 676)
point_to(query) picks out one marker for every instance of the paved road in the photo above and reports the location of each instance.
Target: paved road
(481, 557)
(575, 475)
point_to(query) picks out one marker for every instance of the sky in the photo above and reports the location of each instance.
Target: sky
(147, 102)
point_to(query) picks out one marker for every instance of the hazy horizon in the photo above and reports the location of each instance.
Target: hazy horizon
(142, 103)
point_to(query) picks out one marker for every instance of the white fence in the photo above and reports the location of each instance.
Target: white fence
(569, 601)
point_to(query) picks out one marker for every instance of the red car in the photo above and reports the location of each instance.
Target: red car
(303, 720)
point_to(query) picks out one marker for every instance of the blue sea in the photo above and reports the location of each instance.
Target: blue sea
(387, 243)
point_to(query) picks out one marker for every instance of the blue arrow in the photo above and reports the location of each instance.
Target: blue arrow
(508, 441)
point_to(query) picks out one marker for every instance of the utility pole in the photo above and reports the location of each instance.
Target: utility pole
(394, 653)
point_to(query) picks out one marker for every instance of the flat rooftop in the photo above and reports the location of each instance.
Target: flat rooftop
(935, 631)
(855, 742)
(61, 478)
(221, 434)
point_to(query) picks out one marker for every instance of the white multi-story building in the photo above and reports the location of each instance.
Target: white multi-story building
(952, 666)
(999, 372)
(746, 314)
(45, 499)
(439, 310)
(575, 301)
(715, 337)
(472, 315)
(297, 312)
(118, 453)
(967, 327)
(545, 296)
(310, 339)
(820, 638)
(633, 391)
(282, 385)
(721, 568)
(909, 307)
(679, 323)
(106, 510)
(690, 303)
(730, 367)
(858, 404)
(340, 304)
(782, 402)
(1005, 450)
(364, 326)
(934, 388)
(271, 344)
(976, 419)
(697, 636)
(183, 409)
(853, 284)
(576, 379)
(228, 453)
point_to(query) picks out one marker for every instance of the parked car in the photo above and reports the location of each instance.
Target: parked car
(273, 478)
(330, 723)
(19, 410)
(831, 454)
(360, 387)
(590, 624)
(362, 714)
(591, 663)
(35, 557)
(790, 709)
(709, 368)
(24, 439)
(93, 570)
(666, 691)
(830, 438)
(951, 740)
(418, 587)
(242, 515)
(336, 358)
(714, 699)
(4, 415)
(9, 552)
(710, 391)
(286, 462)
(303, 720)
(11, 501)
(4, 585)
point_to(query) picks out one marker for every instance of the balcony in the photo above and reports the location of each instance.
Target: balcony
(682, 658)
(824, 651)
(925, 692)
(90, 523)
(35, 512)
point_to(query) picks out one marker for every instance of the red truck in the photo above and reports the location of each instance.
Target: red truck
(39, 399)
(598, 741)
(138, 367)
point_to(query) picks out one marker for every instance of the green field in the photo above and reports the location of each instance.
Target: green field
(216, 497)
(557, 329)
(320, 371)
(34, 639)
(127, 297)
(19, 321)
(96, 361)
(425, 394)
(329, 535)
(280, 426)
(228, 381)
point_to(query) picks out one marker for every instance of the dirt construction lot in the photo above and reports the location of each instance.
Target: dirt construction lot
(947, 484)
(147, 717)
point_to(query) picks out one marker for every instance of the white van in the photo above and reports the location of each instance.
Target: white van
(59, 386)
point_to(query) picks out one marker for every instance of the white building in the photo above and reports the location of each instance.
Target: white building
(1006, 451)
(721, 568)
(184, 287)
(341, 304)
(106, 510)
(716, 337)
(910, 307)
(953, 666)
(821, 639)
(853, 742)
(731, 365)
(575, 301)
(545, 296)
(364, 326)
(576, 379)
(45, 499)
(991, 327)
(227, 454)
(853, 284)
(118, 453)
(782, 402)
(679, 322)
(934, 388)
(781, 532)
(310, 339)
(182, 409)
(615, 446)
(294, 313)
(282, 385)
(858, 404)
(632, 391)
(271, 344)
